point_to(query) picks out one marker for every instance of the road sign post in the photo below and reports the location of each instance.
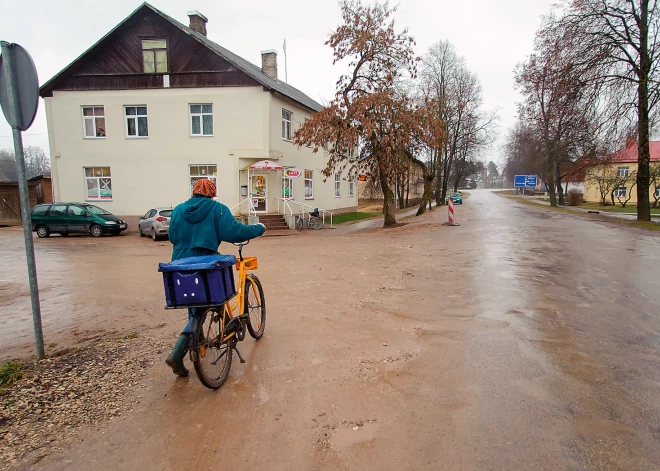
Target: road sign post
(19, 94)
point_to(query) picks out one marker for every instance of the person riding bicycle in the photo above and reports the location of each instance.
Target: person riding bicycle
(197, 227)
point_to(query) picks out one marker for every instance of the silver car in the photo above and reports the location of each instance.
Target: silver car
(156, 223)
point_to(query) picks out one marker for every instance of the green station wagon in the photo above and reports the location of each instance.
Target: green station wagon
(67, 218)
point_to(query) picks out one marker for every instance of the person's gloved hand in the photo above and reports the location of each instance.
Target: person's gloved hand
(260, 224)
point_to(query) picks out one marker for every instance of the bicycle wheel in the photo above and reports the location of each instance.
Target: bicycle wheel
(299, 223)
(213, 359)
(316, 223)
(255, 306)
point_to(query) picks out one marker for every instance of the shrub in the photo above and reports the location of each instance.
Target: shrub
(575, 197)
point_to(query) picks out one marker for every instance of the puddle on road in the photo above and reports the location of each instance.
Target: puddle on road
(346, 437)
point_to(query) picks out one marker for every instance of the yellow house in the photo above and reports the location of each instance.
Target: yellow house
(616, 178)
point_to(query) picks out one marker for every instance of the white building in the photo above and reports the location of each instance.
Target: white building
(155, 105)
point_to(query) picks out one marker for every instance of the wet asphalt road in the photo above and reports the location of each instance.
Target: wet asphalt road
(523, 339)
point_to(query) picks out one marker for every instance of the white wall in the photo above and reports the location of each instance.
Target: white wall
(154, 171)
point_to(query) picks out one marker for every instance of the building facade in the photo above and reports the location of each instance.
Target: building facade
(616, 177)
(155, 105)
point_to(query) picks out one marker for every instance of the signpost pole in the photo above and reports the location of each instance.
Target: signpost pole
(14, 106)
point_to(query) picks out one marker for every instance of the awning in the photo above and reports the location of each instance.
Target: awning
(264, 165)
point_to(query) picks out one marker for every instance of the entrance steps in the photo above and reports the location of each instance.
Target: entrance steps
(273, 222)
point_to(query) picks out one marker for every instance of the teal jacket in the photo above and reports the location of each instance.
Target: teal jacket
(199, 225)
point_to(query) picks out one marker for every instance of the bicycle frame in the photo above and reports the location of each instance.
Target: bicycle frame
(243, 265)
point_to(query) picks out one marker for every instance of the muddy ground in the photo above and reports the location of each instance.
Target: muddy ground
(523, 339)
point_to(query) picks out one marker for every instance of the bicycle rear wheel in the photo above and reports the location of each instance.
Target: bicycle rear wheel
(213, 356)
(299, 223)
(255, 306)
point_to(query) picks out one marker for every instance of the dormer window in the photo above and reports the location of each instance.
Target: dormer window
(154, 56)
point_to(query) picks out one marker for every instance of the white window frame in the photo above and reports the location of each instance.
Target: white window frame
(135, 118)
(351, 186)
(201, 115)
(98, 184)
(93, 120)
(337, 185)
(213, 177)
(622, 171)
(657, 192)
(287, 182)
(287, 124)
(620, 192)
(311, 184)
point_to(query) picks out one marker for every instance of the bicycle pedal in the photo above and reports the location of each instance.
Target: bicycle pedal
(239, 355)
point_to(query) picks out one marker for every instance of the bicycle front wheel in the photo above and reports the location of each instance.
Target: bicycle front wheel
(213, 356)
(255, 306)
(316, 223)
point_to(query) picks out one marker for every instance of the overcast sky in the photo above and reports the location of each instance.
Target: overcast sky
(493, 36)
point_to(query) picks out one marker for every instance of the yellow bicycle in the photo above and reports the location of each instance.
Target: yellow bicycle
(218, 328)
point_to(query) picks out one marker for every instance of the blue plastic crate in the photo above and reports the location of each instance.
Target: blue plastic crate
(196, 281)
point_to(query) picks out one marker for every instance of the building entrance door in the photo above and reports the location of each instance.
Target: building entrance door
(259, 193)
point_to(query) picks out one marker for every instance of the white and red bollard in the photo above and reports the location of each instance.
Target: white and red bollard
(451, 214)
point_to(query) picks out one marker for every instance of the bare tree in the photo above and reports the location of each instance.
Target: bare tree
(37, 162)
(604, 177)
(368, 112)
(621, 38)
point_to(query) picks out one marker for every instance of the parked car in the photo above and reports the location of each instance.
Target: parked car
(69, 218)
(155, 223)
(458, 199)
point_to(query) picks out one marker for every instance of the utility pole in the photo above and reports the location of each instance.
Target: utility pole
(286, 73)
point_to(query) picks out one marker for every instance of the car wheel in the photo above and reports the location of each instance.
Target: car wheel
(42, 231)
(140, 231)
(153, 235)
(96, 230)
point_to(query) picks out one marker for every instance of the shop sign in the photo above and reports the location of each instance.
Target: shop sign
(292, 173)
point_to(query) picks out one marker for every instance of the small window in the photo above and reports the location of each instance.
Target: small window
(154, 56)
(620, 192)
(657, 192)
(622, 171)
(309, 184)
(337, 185)
(351, 186)
(98, 182)
(136, 121)
(167, 213)
(76, 211)
(201, 120)
(287, 117)
(198, 172)
(40, 210)
(93, 122)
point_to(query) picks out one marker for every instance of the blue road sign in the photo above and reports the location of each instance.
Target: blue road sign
(530, 181)
(519, 181)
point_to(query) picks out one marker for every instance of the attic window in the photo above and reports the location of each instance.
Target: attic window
(154, 56)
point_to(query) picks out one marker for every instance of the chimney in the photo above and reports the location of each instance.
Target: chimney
(630, 141)
(197, 22)
(269, 62)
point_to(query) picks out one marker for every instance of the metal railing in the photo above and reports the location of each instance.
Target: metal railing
(252, 211)
(286, 204)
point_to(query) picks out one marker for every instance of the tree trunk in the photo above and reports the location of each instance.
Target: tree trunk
(389, 216)
(560, 190)
(551, 190)
(643, 150)
(407, 191)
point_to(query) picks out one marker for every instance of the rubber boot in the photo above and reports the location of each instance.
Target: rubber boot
(175, 358)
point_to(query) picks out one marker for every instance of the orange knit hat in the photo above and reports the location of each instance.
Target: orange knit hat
(204, 187)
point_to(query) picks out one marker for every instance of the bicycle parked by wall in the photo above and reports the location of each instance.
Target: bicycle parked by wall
(312, 221)
(224, 315)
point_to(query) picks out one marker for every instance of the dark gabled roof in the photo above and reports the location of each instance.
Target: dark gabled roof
(241, 64)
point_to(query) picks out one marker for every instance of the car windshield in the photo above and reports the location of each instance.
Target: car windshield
(96, 210)
(166, 213)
